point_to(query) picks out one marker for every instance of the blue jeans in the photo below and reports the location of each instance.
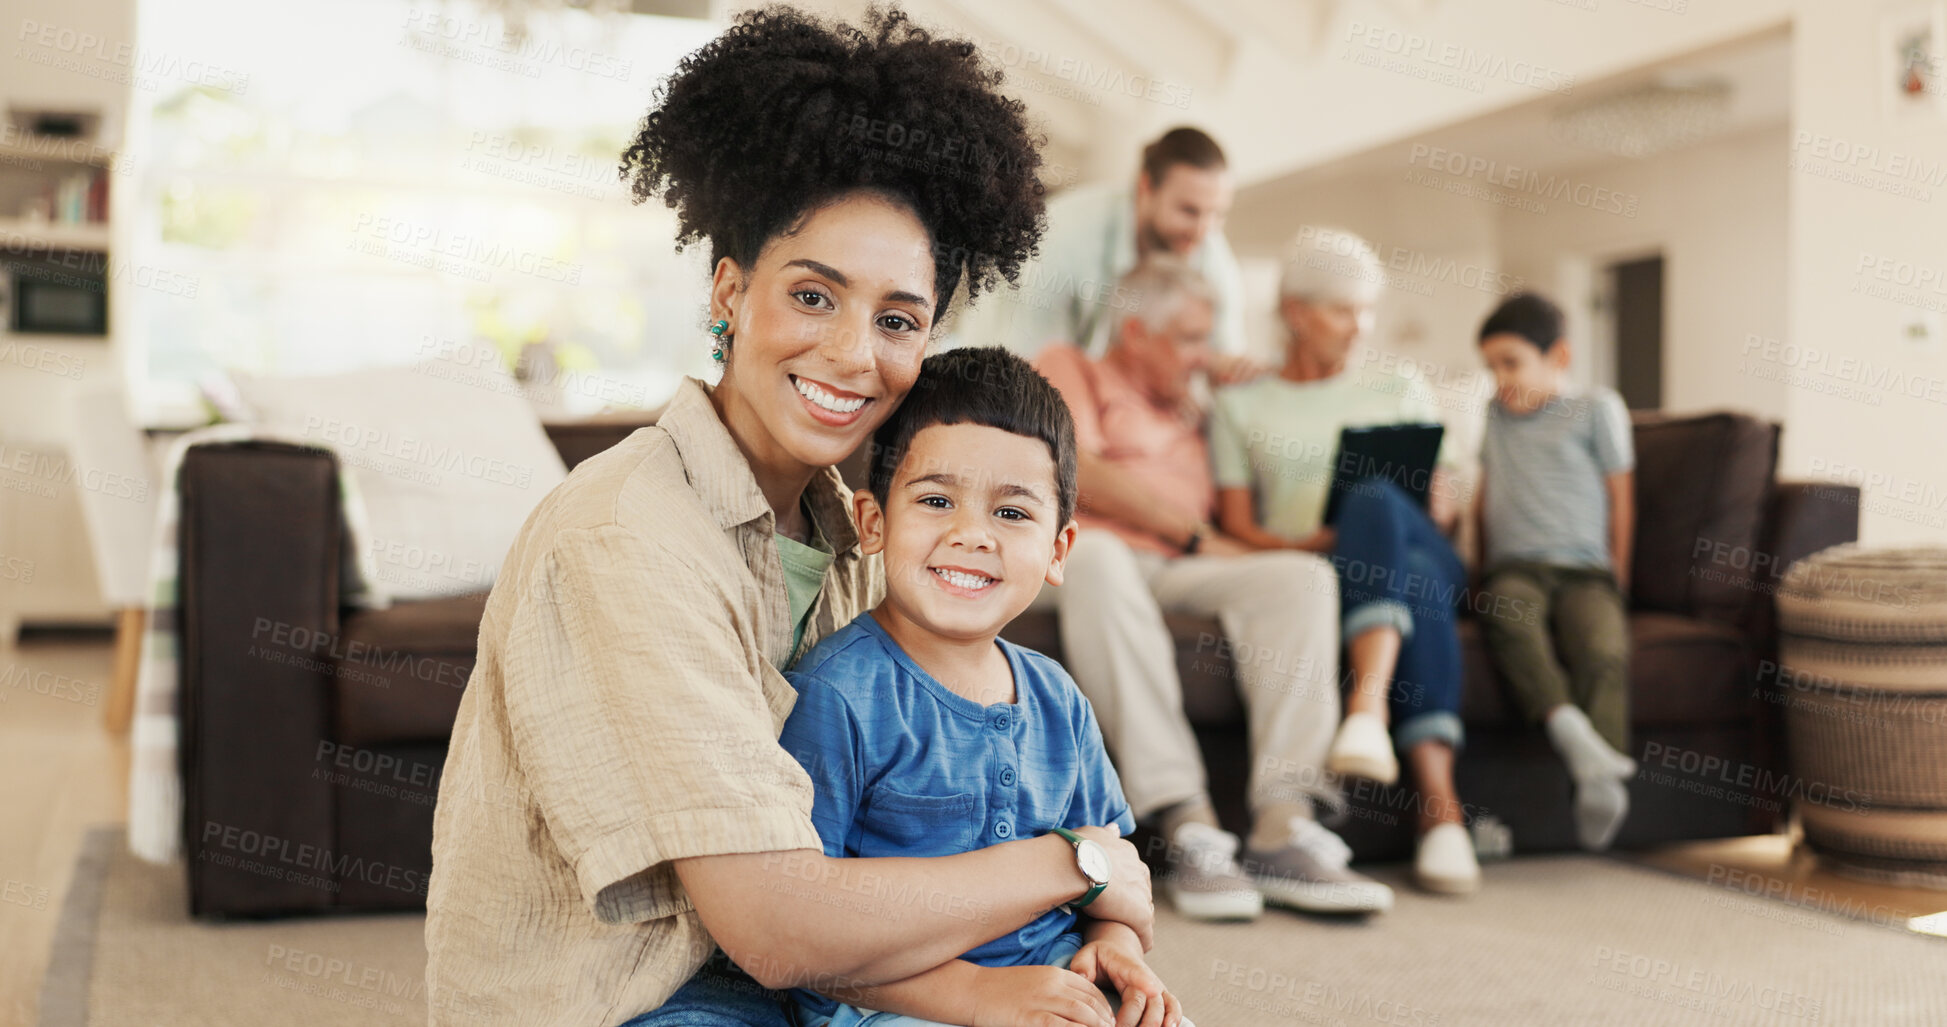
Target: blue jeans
(1062, 952)
(719, 995)
(1396, 570)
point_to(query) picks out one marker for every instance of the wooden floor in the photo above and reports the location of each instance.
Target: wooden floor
(61, 773)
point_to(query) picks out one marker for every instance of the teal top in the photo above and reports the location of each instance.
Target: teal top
(804, 575)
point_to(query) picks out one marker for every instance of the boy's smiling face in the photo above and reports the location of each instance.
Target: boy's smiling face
(969, 529)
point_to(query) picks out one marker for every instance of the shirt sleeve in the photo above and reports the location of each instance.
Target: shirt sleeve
(639, 724)
(823, 735)
(1227, 284)
(1100, 800)
(1615, 444)
(1230, 457)
(1067, 370)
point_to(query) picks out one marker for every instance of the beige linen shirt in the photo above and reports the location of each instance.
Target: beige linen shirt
(623, 713)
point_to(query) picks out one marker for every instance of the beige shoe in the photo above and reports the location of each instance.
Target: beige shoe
(1446, 862)
(1363, 748)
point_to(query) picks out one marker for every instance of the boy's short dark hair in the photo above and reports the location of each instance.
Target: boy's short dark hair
(990, 387)
(1185, 145)
(1529, 315)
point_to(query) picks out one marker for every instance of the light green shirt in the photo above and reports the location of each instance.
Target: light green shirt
(1069, 294)
(804, 575)
(1278, 437)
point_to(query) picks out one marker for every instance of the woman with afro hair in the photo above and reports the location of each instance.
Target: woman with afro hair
(615, 807)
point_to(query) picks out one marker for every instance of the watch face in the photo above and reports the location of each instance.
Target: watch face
(1094, 861)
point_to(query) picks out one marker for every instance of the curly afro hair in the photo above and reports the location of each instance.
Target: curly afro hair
(783, 113)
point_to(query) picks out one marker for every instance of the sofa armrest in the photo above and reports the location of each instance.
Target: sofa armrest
(260, 540)
(1801, 518)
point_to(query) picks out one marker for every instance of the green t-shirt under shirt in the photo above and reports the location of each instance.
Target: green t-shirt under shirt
(804, 575)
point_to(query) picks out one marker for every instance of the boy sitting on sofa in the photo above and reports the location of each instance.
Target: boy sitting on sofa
(1557, 509)
(926, 735)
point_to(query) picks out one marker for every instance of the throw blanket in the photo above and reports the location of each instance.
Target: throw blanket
(155, 795)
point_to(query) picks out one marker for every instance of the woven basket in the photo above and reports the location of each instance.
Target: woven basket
(1863, 648)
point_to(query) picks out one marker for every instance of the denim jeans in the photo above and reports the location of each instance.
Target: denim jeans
(1396, 570)
(1061, 954)
(719, 995)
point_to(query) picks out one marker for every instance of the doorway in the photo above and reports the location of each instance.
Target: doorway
(1635, 315)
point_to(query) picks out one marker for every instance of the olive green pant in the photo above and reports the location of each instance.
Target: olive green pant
(1561, 635)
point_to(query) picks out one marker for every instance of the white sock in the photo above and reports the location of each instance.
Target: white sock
(1588, 755)
(1601, 805)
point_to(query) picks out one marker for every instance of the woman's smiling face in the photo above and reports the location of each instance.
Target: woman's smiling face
(829, 328)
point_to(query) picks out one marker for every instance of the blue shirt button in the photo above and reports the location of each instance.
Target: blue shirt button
(1000, 721)
(1004, 829)
(1007, 775)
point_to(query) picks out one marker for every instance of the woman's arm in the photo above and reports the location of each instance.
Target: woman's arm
(1111, 492)
(1237, 515)
(801, 918)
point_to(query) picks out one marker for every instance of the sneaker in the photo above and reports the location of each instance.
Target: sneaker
(1202, 879)
(1309, 873)
(1364, 748)
(1446, 863)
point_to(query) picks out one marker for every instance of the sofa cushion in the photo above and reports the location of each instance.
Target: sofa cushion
(398, 673)
(1682, 671)
(1701, 488)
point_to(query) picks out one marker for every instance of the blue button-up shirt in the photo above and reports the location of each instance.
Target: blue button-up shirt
(905, 766)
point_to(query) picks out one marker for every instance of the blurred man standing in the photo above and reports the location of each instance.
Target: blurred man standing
(1098, 233)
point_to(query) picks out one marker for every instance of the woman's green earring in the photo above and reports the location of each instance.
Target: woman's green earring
(717, 328)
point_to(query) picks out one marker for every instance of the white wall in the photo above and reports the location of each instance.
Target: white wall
(1716, 211)
(1878, 434)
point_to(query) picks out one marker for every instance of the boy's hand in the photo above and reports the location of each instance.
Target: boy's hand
(1145, 1002)
(1127, 899)
(1038, 996)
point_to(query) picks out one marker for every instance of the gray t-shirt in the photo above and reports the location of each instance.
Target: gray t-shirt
(1546, 478)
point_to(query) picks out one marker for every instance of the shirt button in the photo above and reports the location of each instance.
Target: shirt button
(1000, 721)
(1007, 775)
(1004, 829)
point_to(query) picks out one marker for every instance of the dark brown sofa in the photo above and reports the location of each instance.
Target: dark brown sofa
(313, 735)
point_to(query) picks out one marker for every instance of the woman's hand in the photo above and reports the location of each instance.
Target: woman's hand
(1127, 899)
(1038, 996)
(1145, 1002)
(1234, 369)
(1322, 541)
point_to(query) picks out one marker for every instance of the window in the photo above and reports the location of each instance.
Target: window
(393, 178)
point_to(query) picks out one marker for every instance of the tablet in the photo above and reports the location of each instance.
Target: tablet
(1401, 453)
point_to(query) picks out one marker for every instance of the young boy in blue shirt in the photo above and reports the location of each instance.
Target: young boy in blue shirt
(926, 735)
(1557, 513)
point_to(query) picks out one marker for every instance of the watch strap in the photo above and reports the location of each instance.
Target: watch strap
(1094, 889)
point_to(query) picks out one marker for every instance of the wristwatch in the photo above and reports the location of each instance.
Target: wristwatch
(1094, 863)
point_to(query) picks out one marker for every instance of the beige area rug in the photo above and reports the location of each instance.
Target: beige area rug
(1549, 940)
